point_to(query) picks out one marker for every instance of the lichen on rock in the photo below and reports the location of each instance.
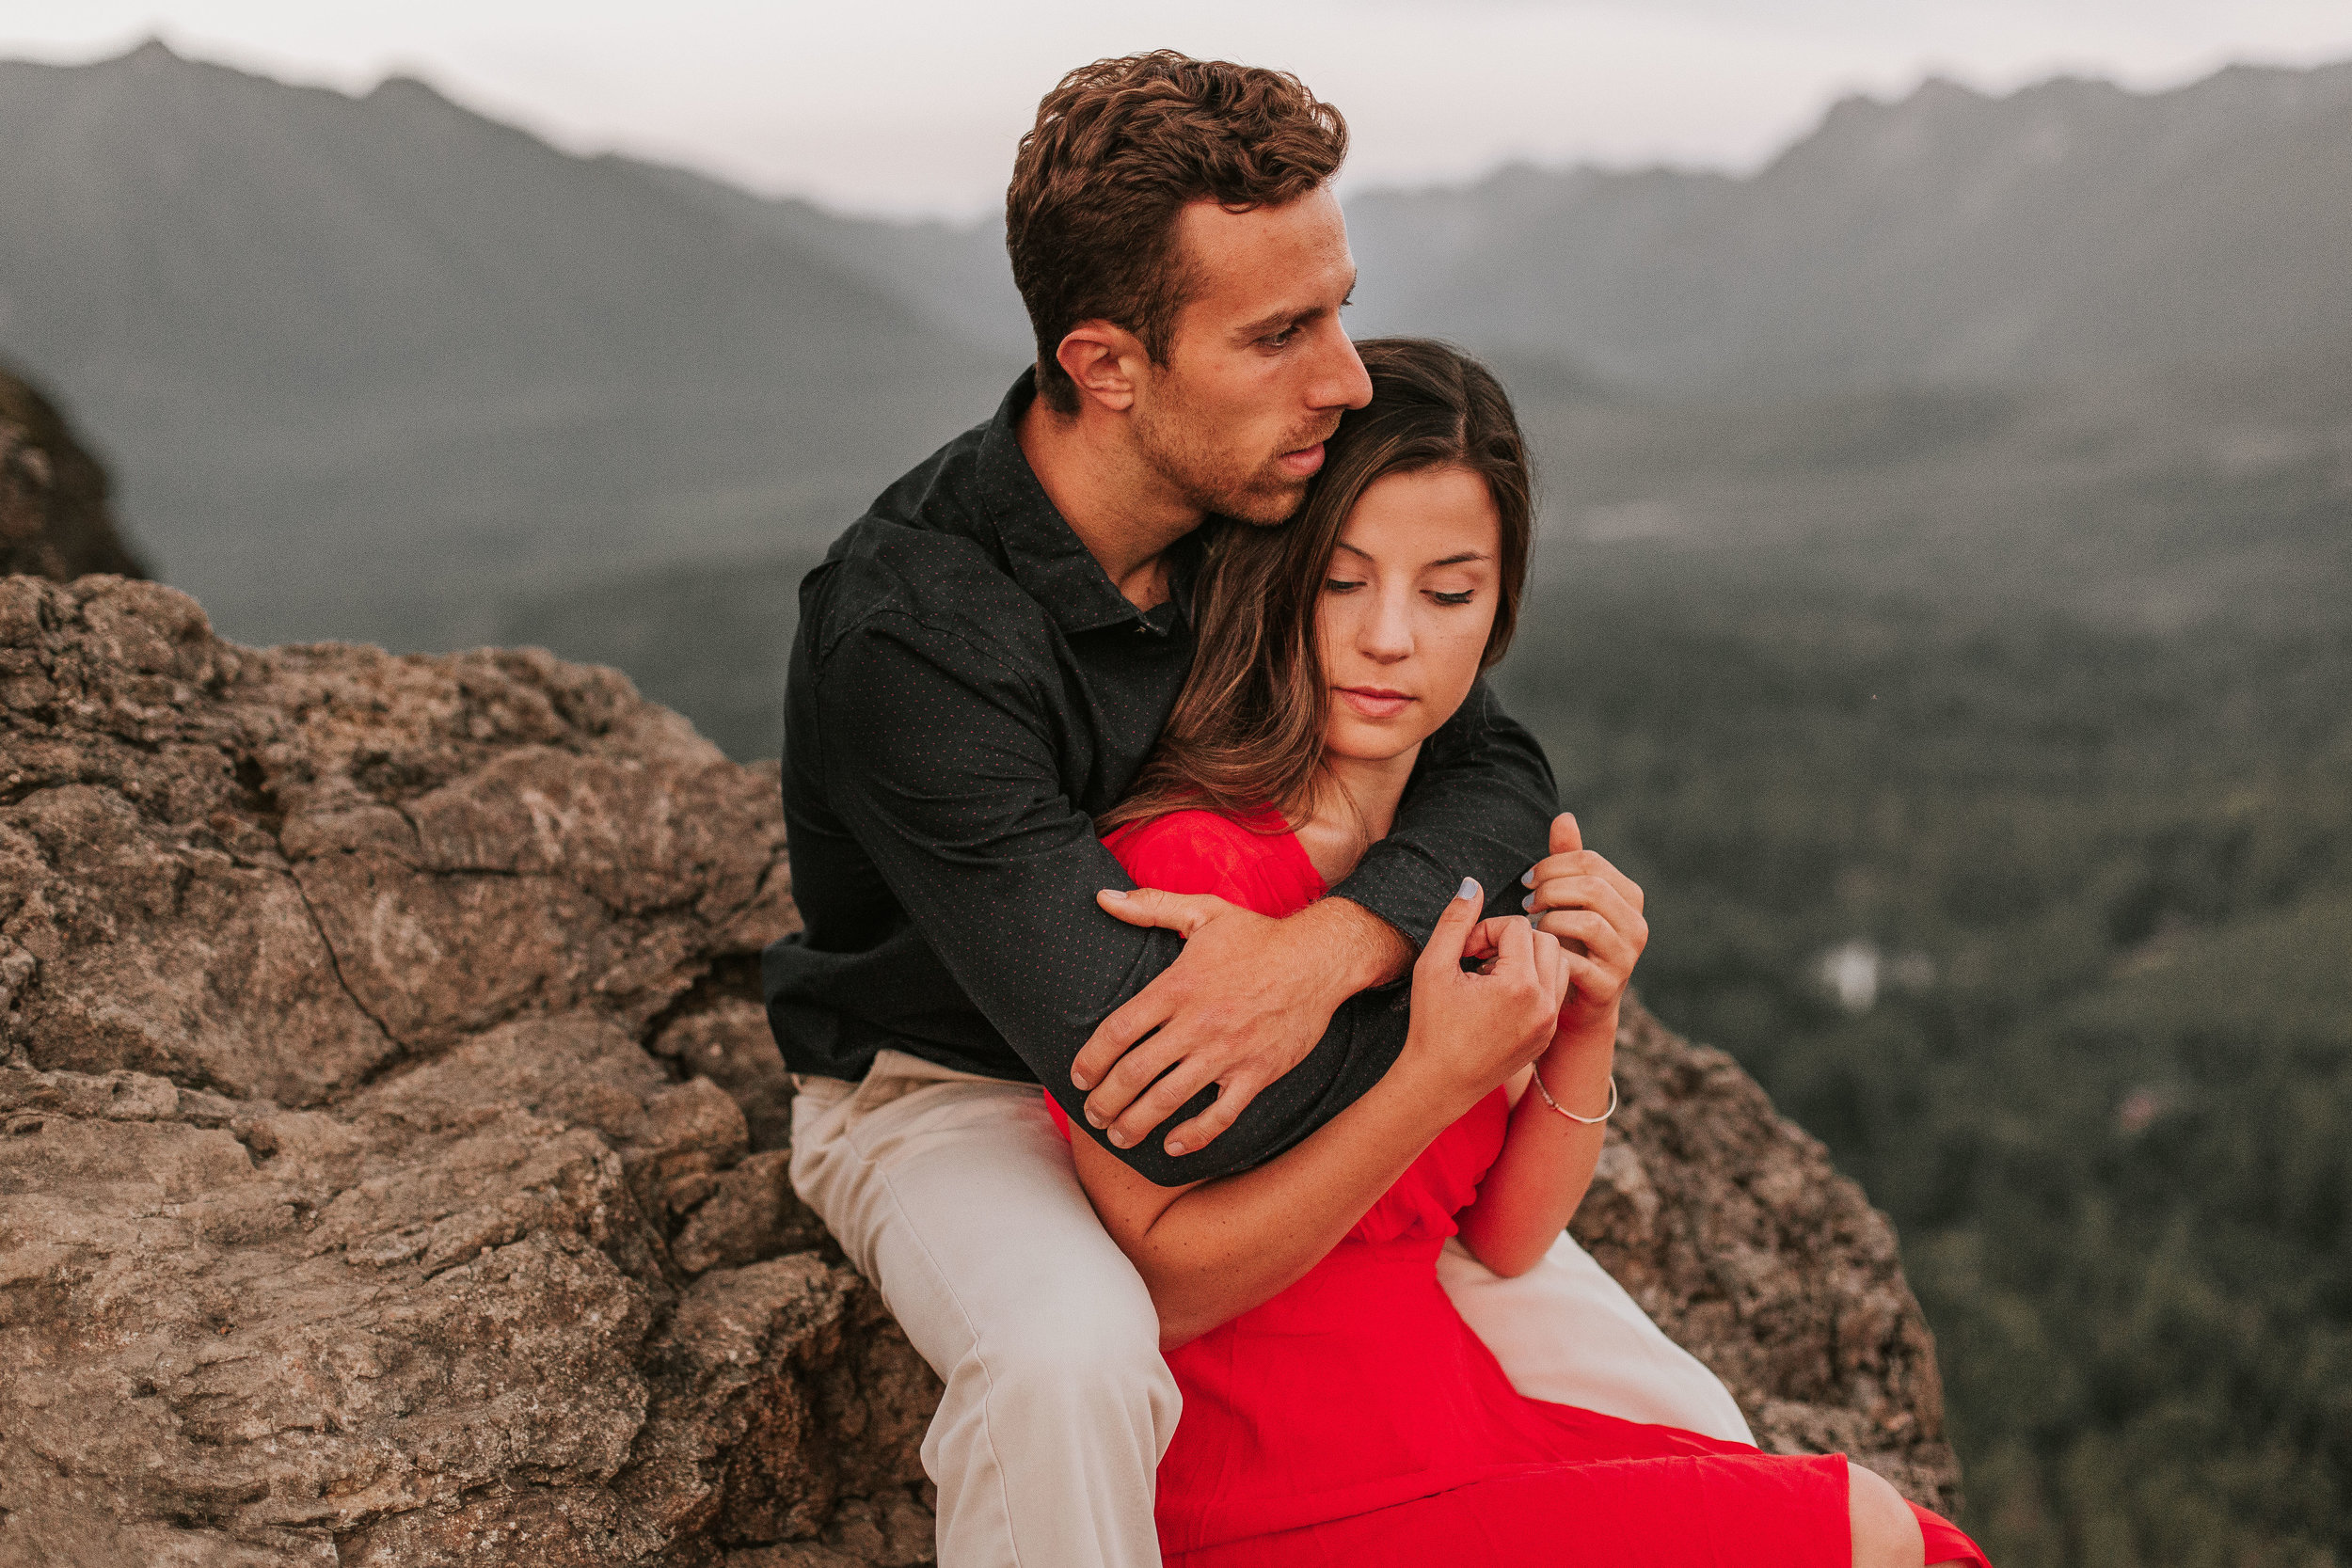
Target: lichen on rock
(391, 1150)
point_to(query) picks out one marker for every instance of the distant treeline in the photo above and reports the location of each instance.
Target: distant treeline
(2089, 894)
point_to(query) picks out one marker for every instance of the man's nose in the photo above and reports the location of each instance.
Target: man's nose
(1341, 380)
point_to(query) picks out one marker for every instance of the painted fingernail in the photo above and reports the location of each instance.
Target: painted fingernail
(1118, 1139)
(1468, 888)
(1527, 878)
(1095, 1121)
(1528, 903)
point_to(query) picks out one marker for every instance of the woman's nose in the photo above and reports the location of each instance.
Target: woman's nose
(1387, 633)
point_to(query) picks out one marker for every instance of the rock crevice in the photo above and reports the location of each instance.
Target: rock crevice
(393, 1151)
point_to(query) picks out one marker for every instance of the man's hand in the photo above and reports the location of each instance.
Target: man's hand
(1596, 912)
(1242, 1004)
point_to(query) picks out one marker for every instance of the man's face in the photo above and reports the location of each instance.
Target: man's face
(1260, 370)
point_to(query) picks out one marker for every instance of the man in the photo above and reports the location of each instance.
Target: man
(983, 664)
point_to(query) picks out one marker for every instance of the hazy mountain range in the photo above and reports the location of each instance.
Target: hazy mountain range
(359, 361)
(2070, 228)
(382, 368)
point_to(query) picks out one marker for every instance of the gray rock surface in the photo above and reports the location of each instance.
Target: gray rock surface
(391, 1150)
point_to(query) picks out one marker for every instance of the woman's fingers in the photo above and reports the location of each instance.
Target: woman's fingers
(1449, 940)
(1601, 939)
(1597, 895)
(1514, 946)
(1584, 862)
(1551, 968)
(1593, 984)
(1484, 938)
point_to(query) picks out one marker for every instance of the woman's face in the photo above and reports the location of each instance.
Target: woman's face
(1407, 601)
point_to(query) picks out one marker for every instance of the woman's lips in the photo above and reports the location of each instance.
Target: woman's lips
(1304, 462)
(1374, 701)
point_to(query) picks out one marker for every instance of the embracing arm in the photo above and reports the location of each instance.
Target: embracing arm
(1212, 1250)
(940, 758)
(1477, 808)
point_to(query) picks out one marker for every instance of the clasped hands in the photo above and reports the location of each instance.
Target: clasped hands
(1251, 996)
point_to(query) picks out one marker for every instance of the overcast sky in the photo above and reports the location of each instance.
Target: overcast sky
(913, 106)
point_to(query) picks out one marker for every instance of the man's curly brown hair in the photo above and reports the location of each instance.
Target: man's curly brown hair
(1118, 148)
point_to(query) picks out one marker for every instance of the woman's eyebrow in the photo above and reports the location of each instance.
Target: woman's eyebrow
(1459, 559)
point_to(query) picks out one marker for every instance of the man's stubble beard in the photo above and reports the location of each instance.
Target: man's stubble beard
(1214, 482)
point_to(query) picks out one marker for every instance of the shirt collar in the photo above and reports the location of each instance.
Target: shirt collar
(1042, 550)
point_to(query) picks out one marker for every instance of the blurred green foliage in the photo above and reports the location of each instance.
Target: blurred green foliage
(2103, 1082)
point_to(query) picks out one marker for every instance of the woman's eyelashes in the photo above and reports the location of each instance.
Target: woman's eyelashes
(1346, 585)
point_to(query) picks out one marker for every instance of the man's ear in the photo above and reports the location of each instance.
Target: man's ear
(1105, 361)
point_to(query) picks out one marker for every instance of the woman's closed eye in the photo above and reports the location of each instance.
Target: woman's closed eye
(1463, 597)
(1340, 585)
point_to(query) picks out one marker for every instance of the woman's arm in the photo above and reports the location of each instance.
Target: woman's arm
(1212, 1251)
(1547, 1163)
(1532, 1191)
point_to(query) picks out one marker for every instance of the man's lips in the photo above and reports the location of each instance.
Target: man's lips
(1302, 463)
(1374, 701)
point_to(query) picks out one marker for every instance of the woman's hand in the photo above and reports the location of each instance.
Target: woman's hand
(1594, 910)
(1481, 1028)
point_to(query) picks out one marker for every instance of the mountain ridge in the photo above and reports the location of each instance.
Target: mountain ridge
(1949, 236)
(1675, 280)
(379, 367)
(385, 318)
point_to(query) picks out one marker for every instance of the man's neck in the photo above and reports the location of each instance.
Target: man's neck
(1122, 510)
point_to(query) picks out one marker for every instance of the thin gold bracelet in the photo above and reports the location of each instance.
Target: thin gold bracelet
(1589, 1121)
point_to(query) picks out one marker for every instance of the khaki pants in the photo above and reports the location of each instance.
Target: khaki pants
(956, 1197)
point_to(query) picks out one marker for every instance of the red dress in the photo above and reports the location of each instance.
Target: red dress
(1355, 1419)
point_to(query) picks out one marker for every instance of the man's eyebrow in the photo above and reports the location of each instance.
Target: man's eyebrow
(1273, 320)
(1291, 316)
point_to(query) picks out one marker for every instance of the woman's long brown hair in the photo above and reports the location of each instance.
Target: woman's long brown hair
(1246, 732)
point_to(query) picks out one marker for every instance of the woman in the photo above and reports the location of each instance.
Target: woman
(1336, 1407)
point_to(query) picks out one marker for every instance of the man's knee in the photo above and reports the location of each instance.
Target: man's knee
(1109, 1350)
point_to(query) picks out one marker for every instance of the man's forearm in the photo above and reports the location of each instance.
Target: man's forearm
(1365, 950)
